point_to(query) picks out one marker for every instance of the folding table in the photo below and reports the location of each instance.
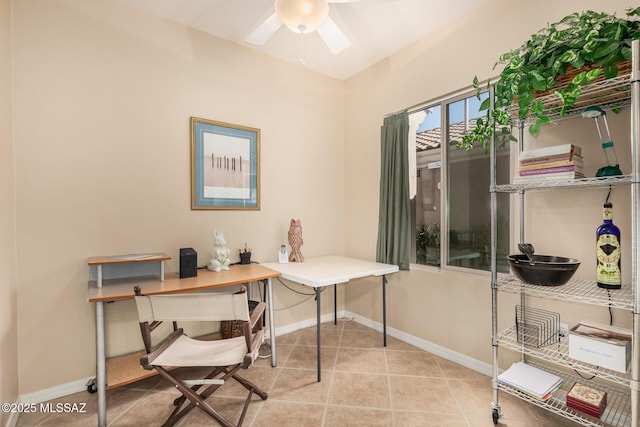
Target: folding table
(322, 271)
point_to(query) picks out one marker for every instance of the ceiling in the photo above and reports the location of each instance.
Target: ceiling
(376, 28)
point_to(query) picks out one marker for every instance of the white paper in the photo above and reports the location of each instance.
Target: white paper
(530, 379)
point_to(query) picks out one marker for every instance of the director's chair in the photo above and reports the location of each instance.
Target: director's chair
(225, 356)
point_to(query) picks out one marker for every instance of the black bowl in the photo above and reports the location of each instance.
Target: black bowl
(547, 270)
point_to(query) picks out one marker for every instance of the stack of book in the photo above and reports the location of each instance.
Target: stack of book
(556, 163)
(587, 399)
(530, 380)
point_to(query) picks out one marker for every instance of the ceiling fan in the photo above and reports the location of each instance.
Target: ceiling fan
(303, 17)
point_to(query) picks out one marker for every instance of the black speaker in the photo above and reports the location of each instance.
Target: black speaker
(188, 263)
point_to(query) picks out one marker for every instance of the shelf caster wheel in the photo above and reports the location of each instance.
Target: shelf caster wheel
(495, 416)
(92, 386)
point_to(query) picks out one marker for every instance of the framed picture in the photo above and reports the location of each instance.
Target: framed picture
(225, 165)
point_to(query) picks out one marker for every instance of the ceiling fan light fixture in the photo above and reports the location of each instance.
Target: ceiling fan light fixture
(302, 16)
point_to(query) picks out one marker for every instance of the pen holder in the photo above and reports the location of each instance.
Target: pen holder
(245, 257)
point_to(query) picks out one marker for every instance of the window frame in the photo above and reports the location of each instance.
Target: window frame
(443, 156)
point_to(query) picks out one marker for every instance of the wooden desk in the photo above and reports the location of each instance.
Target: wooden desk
(106, 290)
(330, 270)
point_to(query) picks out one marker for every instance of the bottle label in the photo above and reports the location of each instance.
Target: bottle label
(608, 254)
(607, 214)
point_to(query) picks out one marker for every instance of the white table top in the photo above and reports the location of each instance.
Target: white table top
(329, 270)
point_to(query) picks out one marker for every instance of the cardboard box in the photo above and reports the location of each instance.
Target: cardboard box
(601, 345)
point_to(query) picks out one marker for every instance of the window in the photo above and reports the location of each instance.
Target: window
(451, 208)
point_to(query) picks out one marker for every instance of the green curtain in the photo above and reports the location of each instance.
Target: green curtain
(394, 234)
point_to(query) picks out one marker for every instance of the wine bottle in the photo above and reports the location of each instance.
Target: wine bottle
(608, 251)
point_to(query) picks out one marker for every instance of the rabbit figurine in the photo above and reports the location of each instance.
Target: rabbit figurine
(220, 255)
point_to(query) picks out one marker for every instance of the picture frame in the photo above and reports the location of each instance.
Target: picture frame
(225, 166)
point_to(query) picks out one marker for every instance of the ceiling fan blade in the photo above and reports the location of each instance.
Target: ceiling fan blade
(333, 36)
(263, 33)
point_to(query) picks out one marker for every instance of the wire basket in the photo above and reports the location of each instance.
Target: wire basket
(563, 80)
(233, 328)
(536, 327)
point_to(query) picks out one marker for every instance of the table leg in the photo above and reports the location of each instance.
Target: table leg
(264, 300)
(272, 323)
(318, 355)
(335, 304)
(101, 371)
(384, 309)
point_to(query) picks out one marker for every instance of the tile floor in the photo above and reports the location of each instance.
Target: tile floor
(363, 384)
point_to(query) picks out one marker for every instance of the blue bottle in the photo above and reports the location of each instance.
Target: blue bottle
(608, 251)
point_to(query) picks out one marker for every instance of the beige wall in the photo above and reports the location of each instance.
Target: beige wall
(103, 96)
(8, 298)
(454, 310)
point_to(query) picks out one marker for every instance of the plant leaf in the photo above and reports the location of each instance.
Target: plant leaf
(538, 82)
(485, 104)
(524, 101)
(604, 50)
(591, 75)
(537, 107)
(578, 63)
(534, 130)
(568, 56)
(501, 116)
(578, 79)
(542, 119)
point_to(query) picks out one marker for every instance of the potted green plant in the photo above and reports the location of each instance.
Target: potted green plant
(590, 42)
(428, 244)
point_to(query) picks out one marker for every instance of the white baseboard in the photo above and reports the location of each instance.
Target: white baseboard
(48, 394)
(55, 392)
(438, 350)
(13, 419)
(464, 360)
(305, 324)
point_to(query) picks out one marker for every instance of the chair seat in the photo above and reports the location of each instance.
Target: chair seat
(187, 351)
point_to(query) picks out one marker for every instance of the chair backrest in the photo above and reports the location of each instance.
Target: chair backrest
(193, 307)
